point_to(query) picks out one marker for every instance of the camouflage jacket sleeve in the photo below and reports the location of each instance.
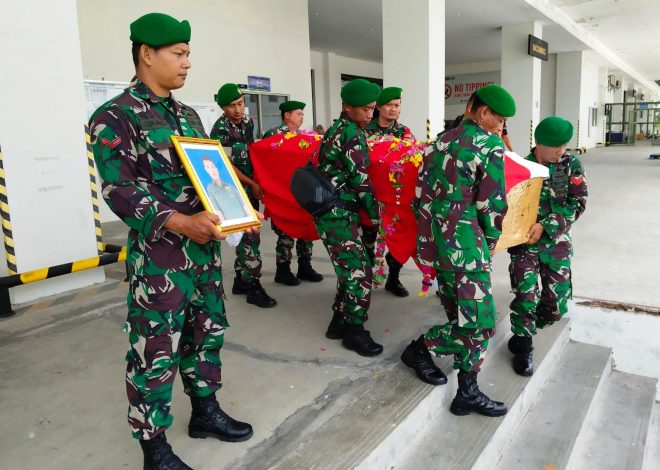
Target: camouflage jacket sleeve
(491, 198)
(356, 151)
(113, 144)
(562, 217)
(426, 248)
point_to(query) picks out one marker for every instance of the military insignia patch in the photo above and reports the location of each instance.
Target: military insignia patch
(112, 144)
(576, 180)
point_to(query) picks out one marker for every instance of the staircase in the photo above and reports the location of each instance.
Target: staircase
(575, 412)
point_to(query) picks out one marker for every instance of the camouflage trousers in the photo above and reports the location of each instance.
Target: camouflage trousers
(468, 301)
(339, 231)
(533, 308)
(176, 321)
(285, 244)
(248, 254)
(369, 236)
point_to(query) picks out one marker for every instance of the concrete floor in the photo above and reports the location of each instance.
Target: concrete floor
(62, 396)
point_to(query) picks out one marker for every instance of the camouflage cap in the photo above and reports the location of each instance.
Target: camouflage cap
(359, 92)
(158, 29)
(291, 105)
(227, 93)
(388, 94)
(497, 99)
(553, 131)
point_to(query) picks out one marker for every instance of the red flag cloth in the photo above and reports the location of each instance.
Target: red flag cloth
(391, 159)
(514, 173)
(274, 160)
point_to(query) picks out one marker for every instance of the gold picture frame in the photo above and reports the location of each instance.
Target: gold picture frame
(216, 183)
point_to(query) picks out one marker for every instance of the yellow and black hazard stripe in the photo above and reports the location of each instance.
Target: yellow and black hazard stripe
(531, 134)
(61, 269)
(7, 235)
(95, 194)
(428, 131)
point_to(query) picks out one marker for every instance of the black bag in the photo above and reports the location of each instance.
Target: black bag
(313, 191)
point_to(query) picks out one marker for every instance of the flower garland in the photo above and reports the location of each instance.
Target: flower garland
(305, 142)
(412, 151)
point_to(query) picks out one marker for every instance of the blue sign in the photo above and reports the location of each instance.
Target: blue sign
(643, 106)
(258, 83)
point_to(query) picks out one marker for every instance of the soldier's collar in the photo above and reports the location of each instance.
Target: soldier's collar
(141, 90)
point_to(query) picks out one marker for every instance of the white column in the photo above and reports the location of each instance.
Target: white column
(521, 76)
(569, 86)
(42, 116)
(414, 59)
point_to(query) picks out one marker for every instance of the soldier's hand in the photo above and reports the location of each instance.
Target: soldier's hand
(257, 192)
(200, 228)
(534, 233)
(260, 216)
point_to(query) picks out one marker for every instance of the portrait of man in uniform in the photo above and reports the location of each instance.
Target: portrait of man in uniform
(216, 184)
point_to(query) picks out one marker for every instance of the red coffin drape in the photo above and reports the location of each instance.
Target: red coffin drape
(401, 234)
(274, 160)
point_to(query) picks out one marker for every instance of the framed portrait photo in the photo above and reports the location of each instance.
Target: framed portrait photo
(216, 183)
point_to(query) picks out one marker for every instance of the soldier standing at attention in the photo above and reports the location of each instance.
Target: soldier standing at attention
(548, 250)
(176, 315)
(343, 158)
(389, 108)
(236, 130)
(292, 118)
(461, 210)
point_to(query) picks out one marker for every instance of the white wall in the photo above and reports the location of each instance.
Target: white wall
(590, 98)
(230, 40)
(328, 68)
(43, 143)
(548, 86)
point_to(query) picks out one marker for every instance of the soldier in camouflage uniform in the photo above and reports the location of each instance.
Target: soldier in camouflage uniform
(343, 158)
(235, 129)
(461, 210)
(176, 314)
(548, 251)
(292, 118)
(388, 105)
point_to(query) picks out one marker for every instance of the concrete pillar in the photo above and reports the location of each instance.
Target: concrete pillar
(569, 86)
(414, 59)
(43, 143)
(521, 76)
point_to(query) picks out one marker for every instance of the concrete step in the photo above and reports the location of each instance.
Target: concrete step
(616, 431)
(547, 436)
(474, 441)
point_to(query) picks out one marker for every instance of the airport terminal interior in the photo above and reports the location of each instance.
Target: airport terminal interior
(84, 243)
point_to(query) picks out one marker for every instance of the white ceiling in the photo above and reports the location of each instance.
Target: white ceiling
(473, 28)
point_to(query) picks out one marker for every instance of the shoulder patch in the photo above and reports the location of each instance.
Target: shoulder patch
(112, 144)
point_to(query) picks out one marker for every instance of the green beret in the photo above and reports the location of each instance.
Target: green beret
(291, 105)
(497, 99)
(157, 29)
(227, 93)
(388, 94)
(553, 132)
(359, 92)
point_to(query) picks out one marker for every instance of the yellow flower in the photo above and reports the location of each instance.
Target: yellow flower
(289, 135)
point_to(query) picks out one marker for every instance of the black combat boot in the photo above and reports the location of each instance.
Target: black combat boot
(257, 295)
(240, 286)
(417, 357)
(393, 284)
(283, 275)
(208, 420)
(469, 398)
(306, 272)
(158, 455)
(336, 327)
(522, 348)
(357, 339)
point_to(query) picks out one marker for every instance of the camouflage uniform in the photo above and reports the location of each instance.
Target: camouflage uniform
(343, 158)
(563, 199)
(176, 315)
(461, 210)
(238, 137)
(285, 243)
(369, 234)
